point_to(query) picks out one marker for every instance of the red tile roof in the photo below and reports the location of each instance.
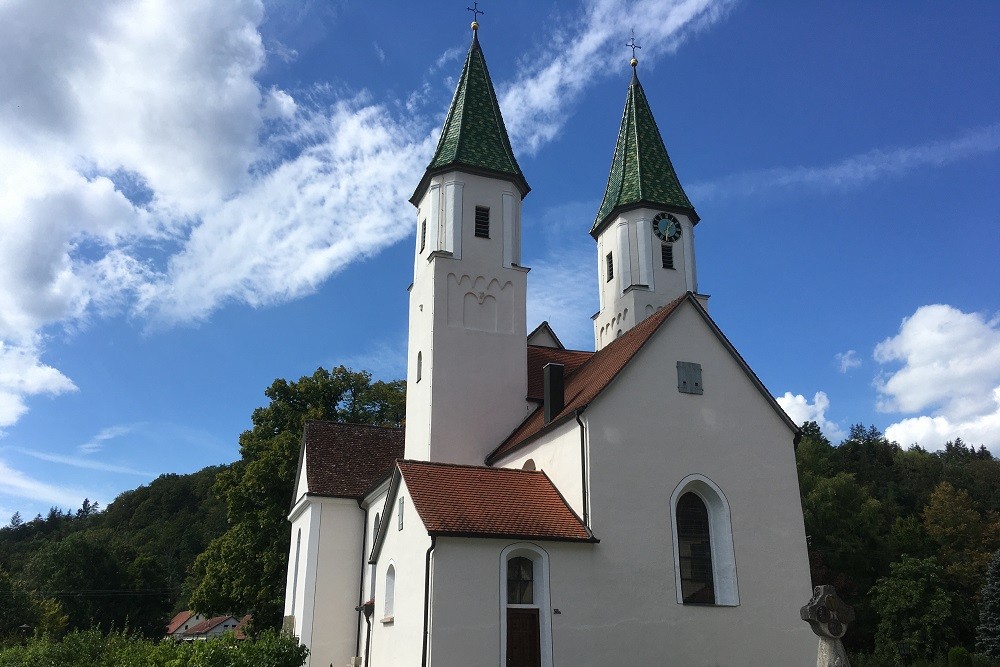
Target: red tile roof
(346, 460)
(177, 621)
(475, 501)
(590, 378)
(538, 356)
(210, 624)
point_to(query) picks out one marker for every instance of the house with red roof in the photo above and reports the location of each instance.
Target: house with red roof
(637, 504)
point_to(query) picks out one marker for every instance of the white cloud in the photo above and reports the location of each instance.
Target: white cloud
(847, 360)
(855, 170)
(96, 443)
(16, 483)
(85, 463)
(22, 374)
(536, 103)
(151, 174)
(950, 371)
(800, 410)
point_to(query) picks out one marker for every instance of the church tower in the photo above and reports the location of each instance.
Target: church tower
(466, 368)
(644, 228)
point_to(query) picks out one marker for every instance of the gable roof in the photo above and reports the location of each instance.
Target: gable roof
(474, 136)
(476, 501)
(210, 624)
(542, 331)
(593, 376)
(539, 355)
(641, 172)
(346, 460)
(177, 621)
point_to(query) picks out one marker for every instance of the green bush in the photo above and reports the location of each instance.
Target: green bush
(123, 649)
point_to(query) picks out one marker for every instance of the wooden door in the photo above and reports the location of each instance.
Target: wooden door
(523, 642)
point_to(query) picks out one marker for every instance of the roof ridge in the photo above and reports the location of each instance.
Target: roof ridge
(337, 423)
(446, 464)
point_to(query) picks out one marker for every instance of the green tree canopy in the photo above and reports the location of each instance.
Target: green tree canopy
(244, 569)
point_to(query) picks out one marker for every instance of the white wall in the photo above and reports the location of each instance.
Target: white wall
(467, 323)
(398, 643)
(617, 599)
(558, 456)
(639, 264)
(328, 577)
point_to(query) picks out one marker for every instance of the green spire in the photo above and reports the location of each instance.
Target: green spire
(641, 173)
(474, 137)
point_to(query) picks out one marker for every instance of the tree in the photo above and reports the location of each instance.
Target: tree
(16, 521)
(244, 569)
(915, 610)
(988, 632)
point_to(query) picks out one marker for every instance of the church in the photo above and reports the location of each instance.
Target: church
(636, 505)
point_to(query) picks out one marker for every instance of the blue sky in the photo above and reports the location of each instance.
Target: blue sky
(197, 198)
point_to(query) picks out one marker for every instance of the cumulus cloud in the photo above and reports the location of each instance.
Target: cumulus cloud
(948, 368)
(149, 173)
(847, 360)
(801, 410)
(22, 374)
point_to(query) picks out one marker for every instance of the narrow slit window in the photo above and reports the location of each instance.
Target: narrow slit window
(423, 235)
(400, 526)
(611, 267)
(483, 222)
(667, 255)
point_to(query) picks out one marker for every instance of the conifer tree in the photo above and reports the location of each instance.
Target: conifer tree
(988, 632)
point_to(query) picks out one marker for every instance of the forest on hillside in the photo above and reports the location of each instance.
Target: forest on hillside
(906, 535)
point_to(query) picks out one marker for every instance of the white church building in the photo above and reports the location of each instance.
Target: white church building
(637, 505)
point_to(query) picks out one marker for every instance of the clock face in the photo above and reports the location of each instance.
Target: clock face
(666, 227)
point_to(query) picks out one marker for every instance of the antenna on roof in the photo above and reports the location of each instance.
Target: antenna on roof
(476, 11)
(632, 45)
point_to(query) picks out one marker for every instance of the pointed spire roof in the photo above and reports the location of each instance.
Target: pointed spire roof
(641, 172)
(474, 137)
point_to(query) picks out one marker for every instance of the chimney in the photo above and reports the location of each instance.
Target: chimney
(552, 393)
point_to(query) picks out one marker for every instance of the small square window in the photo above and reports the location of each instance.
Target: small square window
(689, 378)
(667, 255)
(483, 222)
(611, 267)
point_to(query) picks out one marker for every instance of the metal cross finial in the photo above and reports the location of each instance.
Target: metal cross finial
(476, 11)
(631, 44)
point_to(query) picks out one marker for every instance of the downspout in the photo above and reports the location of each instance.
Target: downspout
(361, 579)
(427, 598)
(583, 467)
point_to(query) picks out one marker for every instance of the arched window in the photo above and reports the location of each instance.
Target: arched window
(704, 557)
(694, 544)
(525, 610)
(390, 593)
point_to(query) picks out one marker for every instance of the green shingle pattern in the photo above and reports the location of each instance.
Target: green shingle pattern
(474, 134)
(641, 171)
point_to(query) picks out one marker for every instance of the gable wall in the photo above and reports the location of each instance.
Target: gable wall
(644, 438)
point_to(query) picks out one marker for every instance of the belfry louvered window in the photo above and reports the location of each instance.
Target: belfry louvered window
(667, 255)
(611, 267)
(483, 222)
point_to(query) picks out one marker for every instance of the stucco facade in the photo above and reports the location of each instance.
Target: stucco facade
(647, 512)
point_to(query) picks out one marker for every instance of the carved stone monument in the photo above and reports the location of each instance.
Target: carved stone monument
(828, 616)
